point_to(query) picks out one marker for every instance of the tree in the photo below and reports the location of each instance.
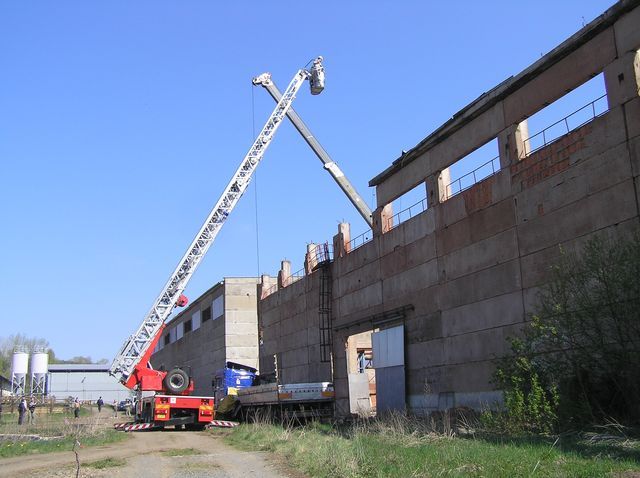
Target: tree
(7, 346)
(584, 340)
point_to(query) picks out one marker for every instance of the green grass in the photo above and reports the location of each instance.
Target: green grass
(181, 452)
(325, 452)
(19, 448)
(106, 463)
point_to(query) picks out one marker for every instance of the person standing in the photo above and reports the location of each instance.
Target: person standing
(115, 409)
(76, 408)
(22, 408)
(100, 402)
(32, 410)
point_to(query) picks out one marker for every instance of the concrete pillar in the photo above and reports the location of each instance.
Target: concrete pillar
(284, 274)
(444, 180)
(265, 285)
(310, 258)
(512, 144)
(342, 240)
(622, 79)
(436, 185)
(382, 219)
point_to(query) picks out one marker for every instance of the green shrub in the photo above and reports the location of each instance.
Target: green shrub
(578, 361)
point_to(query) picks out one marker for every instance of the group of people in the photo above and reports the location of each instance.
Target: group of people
(22, 410)
(23, 407)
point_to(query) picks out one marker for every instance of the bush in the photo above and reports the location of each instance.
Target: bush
(579, 359)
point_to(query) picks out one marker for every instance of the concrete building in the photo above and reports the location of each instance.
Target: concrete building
(88, 382)
(219, 326)
(441, 291)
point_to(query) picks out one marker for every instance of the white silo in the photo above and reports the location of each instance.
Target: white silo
(39, 369)
(19, 369)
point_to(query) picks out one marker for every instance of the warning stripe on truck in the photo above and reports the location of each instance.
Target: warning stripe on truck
(120, 426)
(223, 424)
(137, 426)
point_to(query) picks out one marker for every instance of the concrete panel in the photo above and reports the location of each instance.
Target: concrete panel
(476, 227)
(359, 402)
(361, 299)
(359, 257)
(391, 240)
(421, 250)
(425, 354)
(481, 345)
(414, 279)
(611, 206)
(481, 254)
(575, 69)
(627, 32)
(293, 358)
(241, 341)
(394, 262)
(622, 79)
(240, 302)
(450, 211)
(419, 226)
(489, 313)
(587, 177)
(632, 119)
(470, 377)
(242, 329)
(358, 278)
(497, 280)
(422, 328)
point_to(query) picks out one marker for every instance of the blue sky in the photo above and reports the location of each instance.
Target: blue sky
(122, 122)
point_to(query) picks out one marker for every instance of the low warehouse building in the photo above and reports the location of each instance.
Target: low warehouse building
(87, 382)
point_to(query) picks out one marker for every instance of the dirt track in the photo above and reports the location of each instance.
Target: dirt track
(144, 456)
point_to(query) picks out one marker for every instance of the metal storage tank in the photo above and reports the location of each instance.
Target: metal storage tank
(19, 369)
(39, 369)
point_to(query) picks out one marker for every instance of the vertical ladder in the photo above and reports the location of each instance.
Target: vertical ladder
(324, 307)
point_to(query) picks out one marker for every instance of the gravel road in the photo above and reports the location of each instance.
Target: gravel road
(151, 454)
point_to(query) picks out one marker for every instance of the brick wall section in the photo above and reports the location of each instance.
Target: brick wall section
(549, 160)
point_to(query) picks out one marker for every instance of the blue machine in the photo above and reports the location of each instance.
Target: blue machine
(233, 376)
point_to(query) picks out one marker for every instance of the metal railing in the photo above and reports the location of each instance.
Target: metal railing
(464, 182)
(321, 253)
(360, 240)
(590, 111)
(406, 214)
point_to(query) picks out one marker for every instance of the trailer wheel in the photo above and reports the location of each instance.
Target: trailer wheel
(176, 380)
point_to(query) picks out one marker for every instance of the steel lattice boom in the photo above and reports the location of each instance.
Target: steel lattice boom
(138, 344)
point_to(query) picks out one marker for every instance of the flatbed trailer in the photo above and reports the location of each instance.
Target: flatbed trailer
(287, 401)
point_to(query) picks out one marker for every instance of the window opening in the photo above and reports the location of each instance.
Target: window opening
(409, 205)
(473, 168)
(206, 314)
(575, 109)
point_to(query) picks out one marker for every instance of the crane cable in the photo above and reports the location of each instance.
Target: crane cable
(255, 178)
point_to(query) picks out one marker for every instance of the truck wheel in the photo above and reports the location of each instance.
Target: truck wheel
(176, 381)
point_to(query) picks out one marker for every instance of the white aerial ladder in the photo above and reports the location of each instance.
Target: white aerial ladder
(131, 363)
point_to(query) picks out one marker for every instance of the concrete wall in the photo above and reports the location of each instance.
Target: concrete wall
(233, 336)
(467, 270)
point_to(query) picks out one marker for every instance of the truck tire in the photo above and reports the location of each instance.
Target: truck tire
(176, 380)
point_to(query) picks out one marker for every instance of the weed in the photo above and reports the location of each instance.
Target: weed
(106, 463)
(181, 452)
